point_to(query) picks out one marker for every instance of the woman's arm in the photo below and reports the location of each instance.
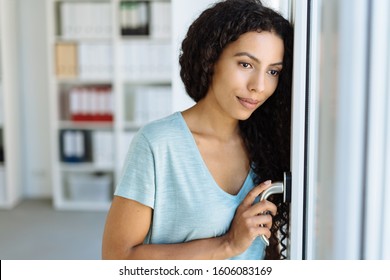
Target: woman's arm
(128, 223)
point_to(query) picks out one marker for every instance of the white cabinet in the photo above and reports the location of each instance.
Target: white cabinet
(10, 148)
(110, 72)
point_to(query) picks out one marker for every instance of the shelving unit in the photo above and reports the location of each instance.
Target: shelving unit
(109, 74)
(10, 148)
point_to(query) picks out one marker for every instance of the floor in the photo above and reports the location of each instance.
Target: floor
(34, 230)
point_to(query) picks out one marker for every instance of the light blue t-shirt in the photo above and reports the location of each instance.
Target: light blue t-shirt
(165, 171)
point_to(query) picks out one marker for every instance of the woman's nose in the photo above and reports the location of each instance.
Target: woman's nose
(257, 83)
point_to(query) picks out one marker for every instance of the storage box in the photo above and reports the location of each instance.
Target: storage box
(90, 187)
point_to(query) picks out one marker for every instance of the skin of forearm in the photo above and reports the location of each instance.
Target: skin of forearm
(216, 248)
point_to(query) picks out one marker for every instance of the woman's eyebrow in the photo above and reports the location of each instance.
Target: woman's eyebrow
(255, 58)
(248, 55)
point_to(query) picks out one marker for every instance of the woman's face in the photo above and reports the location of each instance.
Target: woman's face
(246, 74)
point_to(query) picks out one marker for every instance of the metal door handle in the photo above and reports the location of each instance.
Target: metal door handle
(276, 188)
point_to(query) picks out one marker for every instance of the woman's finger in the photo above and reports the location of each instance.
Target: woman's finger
(262, 207)
(254, 193)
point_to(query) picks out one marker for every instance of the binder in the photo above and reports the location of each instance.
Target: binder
(151, 103)
(147, 60)
(91, 104)
(103, 148)
(134, 18)
(85, 20)
(160, 19)
(95, 61)
(66, 60)
(75, 146)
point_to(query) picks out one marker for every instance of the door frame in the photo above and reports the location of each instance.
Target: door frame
(298, 130)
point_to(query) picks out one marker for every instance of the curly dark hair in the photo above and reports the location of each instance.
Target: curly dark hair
(267, 131)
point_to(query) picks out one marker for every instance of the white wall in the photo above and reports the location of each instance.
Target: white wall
(35, 106)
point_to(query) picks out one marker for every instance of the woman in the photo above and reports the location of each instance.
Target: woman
(191, 181)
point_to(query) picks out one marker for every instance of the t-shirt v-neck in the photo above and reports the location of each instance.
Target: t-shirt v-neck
(194, 148)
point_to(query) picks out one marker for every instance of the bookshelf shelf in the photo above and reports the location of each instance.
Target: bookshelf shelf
(130, 67)
(131, 126)
(145, 81)
(61, 39)
(82, 82)
(10, 146)
(83, 205)
(85, 168)
(86, 125)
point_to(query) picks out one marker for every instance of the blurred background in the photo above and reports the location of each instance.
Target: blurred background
(79, 78)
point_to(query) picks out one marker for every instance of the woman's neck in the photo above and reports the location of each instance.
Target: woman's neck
(207, 120)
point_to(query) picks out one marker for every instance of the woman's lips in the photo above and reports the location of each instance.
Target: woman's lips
(248, 103)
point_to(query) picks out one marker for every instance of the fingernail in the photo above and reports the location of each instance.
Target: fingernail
(268, 182)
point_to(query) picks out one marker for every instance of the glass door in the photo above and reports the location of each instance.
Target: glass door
(340, 133)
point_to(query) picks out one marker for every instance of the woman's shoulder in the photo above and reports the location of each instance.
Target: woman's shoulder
(167, 127)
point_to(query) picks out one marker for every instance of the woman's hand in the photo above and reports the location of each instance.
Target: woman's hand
(249, 221)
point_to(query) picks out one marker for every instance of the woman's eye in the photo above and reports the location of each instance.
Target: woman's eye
(245, 65)
(274, 72)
